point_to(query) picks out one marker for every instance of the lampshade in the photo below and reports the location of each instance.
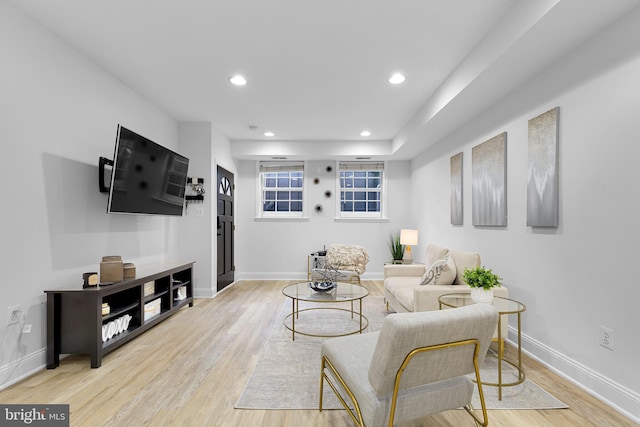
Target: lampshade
(408, 237)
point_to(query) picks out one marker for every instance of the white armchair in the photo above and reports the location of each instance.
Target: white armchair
(344, 263)
(415, 366)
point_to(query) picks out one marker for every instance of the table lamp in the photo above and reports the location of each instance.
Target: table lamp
(408, 238)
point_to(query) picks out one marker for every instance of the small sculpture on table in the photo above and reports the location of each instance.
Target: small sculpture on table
(328, 283)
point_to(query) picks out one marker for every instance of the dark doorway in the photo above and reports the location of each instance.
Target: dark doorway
(226, 266)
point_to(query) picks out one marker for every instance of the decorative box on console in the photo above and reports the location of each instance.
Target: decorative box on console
(129, 270)
(111, 269)
(152, 309)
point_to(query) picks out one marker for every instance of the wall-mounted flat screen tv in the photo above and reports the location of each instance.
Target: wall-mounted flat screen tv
(146, 178)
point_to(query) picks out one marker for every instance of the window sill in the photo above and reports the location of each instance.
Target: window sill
(361, 220)
(282, 219)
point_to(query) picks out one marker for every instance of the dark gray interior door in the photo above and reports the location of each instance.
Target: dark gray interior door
(225, 228)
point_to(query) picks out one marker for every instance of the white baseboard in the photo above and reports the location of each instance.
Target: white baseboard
(208, 293)
(618, 397)
(21, 369)
(296, 276)
(203, 293)
(271, 276)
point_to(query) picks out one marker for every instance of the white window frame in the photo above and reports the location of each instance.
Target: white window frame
(360, 166)
(275, 166)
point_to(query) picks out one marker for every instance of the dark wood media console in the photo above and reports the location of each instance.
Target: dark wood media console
(75, 320)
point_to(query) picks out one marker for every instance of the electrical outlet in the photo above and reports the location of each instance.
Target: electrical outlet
(606, 337)
(13, 312)
(26, 329)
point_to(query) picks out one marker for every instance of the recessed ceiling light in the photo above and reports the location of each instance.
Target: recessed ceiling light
(268, 133)
(397, 78)
(238, 80)
(365, 133)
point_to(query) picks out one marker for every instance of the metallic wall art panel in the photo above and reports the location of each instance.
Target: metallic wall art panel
(456, 189)
(542, 177)
(489, 182)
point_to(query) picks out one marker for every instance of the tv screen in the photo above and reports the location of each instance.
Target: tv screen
(146, 178)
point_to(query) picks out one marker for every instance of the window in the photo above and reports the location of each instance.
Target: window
(281, 189)
(361, 190)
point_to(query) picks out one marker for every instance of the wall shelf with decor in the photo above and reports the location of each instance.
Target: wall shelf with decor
(97, 320)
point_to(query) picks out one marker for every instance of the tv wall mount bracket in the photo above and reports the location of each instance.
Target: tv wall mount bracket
(103, 162)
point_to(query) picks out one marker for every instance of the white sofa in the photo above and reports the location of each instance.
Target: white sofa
(404, 293)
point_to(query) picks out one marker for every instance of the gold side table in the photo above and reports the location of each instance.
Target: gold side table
(505, 306)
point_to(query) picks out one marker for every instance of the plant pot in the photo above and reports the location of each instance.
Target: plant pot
(481, 295)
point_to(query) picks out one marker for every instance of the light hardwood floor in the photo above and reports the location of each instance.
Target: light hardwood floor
(191, 369)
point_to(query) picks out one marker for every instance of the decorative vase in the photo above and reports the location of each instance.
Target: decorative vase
(481, 295)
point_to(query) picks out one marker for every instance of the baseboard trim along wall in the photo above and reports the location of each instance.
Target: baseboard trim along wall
(203, 293)
(297, 276)
(23, 368)
(618, 397)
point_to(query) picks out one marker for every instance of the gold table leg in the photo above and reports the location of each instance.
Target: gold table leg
(500, 356)
(294, 313)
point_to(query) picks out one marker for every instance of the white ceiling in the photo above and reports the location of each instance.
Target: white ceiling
(317, 70)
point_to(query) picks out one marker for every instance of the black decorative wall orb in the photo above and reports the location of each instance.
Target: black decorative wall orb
(327, 194)
(318, 208)
(316, 180)
(329, 169)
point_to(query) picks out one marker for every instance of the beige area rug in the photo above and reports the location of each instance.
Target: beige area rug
(287, 376)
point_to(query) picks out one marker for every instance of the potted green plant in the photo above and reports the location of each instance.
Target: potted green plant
(482, 281)
(397, 249)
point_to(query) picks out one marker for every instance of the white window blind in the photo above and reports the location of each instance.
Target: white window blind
(281, 189)
(361, 189)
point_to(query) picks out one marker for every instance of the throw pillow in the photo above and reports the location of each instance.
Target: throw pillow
(347, 257)
(434, 253)
(462, 260)
(441, 272)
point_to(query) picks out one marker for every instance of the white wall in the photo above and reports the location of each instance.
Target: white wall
(279, 249)
(579, 276)
(58, 115)
(206, 148)
(194, 235)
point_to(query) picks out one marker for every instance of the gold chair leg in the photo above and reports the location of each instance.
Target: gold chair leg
(469, 408)
(484, 422)
(355, 414)
(321, 384)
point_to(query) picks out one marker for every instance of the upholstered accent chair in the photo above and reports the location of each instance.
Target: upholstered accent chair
(418, 364)
(345, 263)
